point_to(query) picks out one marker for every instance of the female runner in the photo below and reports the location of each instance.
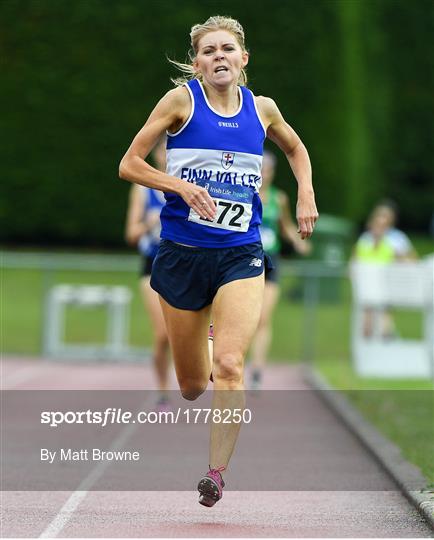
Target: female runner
(211, 256)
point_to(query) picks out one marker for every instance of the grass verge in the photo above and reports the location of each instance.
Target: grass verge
(402, 410)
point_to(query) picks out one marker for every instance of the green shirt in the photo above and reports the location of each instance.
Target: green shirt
(270, 222)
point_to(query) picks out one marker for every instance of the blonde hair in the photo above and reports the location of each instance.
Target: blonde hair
(214, 23)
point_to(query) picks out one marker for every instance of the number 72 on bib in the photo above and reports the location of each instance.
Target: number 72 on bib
(234, 208)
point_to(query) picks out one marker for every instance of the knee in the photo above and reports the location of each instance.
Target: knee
(191, 389)
(229, 367)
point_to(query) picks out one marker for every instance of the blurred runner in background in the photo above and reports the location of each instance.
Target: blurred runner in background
(143, 230)
(276, 223)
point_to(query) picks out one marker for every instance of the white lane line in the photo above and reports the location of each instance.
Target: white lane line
(65, 513)
(18, 377)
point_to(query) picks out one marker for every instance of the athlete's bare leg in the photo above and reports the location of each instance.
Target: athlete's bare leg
(188, 336)
(236, 312)
(160, 351)
(262, 339)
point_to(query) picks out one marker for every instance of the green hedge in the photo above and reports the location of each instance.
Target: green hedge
(81, 77)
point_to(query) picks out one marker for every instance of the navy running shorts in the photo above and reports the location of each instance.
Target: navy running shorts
(273, 274)
(189, 277)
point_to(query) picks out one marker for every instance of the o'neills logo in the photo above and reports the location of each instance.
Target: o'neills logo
(227, 159)
(228, 124)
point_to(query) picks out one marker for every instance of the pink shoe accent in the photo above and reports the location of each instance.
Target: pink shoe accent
(211, 338)
(211, 487)
(163, 405)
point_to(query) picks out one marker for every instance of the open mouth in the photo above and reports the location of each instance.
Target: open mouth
(220, 69)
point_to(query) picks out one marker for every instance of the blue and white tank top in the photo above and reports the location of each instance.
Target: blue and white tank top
(153, 201)
(224, 155)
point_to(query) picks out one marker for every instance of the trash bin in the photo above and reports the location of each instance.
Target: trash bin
(331, 243)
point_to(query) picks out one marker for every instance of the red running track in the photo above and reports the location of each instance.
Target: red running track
(381, 512)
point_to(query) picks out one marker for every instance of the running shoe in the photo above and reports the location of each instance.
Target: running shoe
(211, 332)
(211, 487)
(163, 404)
(211, 338)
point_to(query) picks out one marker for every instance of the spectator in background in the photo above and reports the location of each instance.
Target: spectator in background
(143, 230)
(276, 222)
(381, 244)
(387, 211)
(375, 245)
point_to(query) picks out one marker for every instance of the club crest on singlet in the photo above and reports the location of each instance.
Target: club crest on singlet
(227, 159)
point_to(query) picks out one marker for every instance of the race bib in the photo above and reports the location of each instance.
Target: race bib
(234, 207)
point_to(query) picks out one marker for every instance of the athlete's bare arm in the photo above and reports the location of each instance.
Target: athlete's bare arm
(289, 142)
(170, 113)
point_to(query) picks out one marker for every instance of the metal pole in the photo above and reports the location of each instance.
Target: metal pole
(47, 281)
(311, 297)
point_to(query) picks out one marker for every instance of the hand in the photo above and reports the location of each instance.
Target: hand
(307, 215)
(199, 199)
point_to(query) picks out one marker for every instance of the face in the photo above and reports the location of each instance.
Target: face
(387, 214)
(220, 58)
(378, 225)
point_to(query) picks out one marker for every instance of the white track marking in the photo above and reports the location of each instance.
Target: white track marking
(18, 377)
(65, 513)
